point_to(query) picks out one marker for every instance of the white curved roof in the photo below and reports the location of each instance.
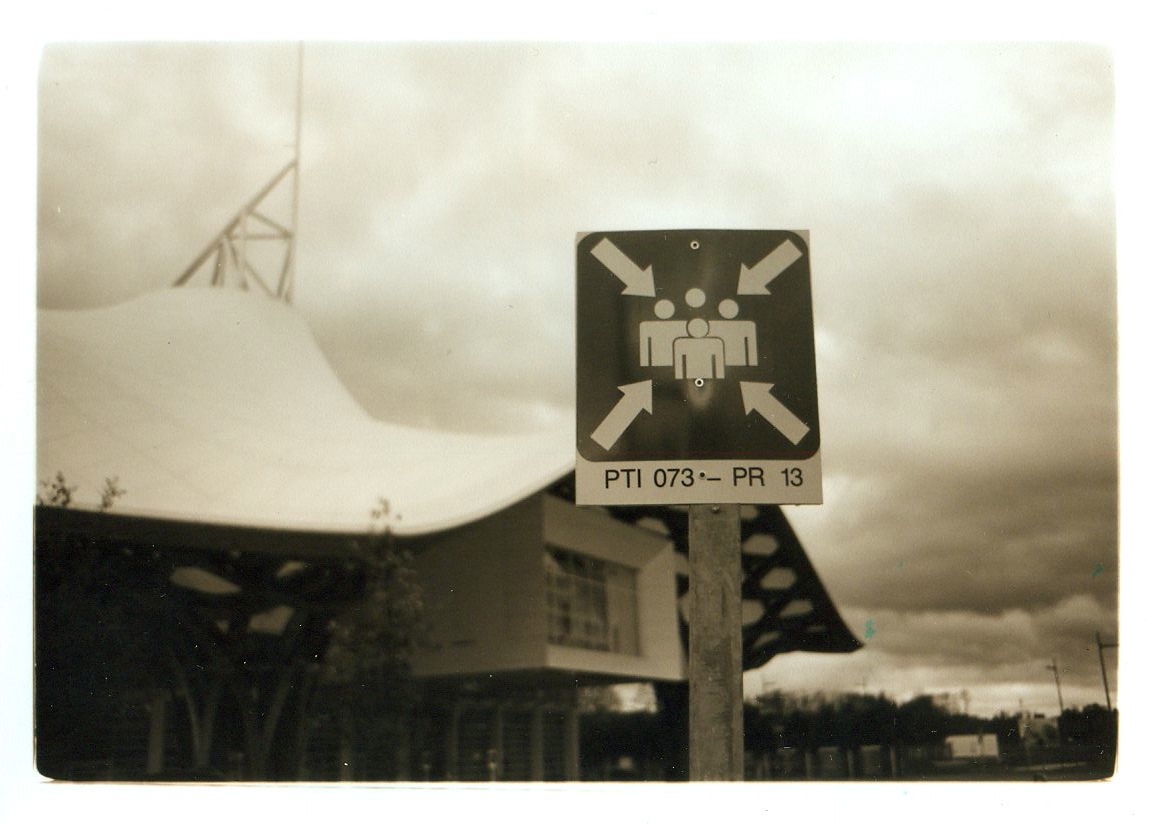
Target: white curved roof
(217, 406)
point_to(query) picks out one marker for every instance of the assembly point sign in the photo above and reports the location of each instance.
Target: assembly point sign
(696, 370)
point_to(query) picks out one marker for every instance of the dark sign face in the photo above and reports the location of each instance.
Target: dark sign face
(695, 345)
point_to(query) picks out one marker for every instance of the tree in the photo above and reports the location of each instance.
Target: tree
(366, 681)
(110, 493)
(1093, 727)
(115, 629)
(57, 492)
(98, 653)
(920, 721)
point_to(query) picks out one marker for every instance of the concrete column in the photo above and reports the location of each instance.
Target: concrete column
(452, 745)
(496, 753)
(347, 750)
(536, 743)
(158, 724)
(572, 736)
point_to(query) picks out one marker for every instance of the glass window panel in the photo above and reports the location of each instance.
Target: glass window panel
(592, 604)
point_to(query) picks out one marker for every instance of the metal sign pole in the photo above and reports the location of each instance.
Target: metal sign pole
(716, 712)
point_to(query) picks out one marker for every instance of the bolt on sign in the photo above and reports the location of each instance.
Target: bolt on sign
(696, 369)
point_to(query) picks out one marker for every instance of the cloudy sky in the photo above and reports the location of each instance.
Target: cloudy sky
(961, 208)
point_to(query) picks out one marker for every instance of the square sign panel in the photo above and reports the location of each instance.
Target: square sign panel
(696, 370)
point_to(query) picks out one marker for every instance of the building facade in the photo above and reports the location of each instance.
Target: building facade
(210, 495)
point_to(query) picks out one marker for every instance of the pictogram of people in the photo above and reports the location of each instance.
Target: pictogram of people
(698, 349)
(740, 336)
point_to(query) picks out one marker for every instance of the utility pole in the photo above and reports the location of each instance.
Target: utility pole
(1104, 678)
(1057, 678)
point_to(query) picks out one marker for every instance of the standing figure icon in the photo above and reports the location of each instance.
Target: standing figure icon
(739, 336)
(657, 336)
(698, 357)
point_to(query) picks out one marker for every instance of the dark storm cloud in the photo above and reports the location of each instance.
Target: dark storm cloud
(1012, 645)
(968, 377)
(941, 541)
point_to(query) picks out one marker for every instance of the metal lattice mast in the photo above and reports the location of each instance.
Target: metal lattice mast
(232, 248)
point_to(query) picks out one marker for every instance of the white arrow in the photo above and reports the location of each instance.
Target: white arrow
(635, 397)
(759, 397)
(755, 281)
(637, 281)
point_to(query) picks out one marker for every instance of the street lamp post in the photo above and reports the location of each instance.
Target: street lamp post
(1104, 678)
(1057, 679)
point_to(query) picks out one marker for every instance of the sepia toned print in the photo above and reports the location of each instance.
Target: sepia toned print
(307, 410)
